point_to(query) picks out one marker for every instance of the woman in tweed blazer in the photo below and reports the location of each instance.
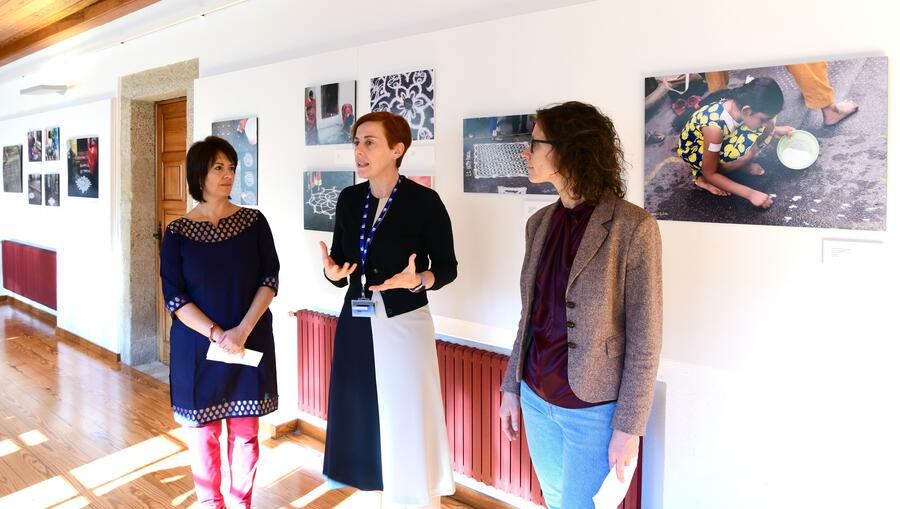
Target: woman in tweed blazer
(583, 366)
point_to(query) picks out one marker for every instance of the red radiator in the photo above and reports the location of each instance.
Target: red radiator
(470, 385)
(315, 344)
(30, 272)
(470, 382)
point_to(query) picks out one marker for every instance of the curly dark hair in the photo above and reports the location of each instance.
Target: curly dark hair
(586, 148)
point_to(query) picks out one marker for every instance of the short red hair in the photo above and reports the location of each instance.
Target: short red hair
(396, 129)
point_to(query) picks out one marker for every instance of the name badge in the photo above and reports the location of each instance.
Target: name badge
(362, 308)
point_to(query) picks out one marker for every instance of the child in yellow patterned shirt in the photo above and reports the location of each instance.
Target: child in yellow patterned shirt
(720, 137)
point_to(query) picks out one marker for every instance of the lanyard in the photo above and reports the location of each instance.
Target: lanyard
(365, 240)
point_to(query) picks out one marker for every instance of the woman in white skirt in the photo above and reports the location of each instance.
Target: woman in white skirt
(392, 244)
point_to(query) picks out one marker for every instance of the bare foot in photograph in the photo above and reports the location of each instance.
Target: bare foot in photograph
(836, 112)
(654, 138)
(755, 169)
(703, 184)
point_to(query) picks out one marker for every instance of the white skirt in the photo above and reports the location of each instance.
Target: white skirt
(415, 452)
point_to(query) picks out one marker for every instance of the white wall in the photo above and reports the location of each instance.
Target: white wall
(79, 229)
(241, 35)
(772, 360)
(777, 368)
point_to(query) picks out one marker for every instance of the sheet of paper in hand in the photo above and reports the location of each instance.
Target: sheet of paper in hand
(612, 492)
(250, 357)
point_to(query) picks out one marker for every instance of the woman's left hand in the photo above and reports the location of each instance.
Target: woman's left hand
(232, 340)
(623, 449)
(406, 279)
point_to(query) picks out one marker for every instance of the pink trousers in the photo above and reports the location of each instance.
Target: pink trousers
(206, 461)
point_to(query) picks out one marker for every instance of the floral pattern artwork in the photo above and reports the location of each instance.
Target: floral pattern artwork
(83, 155)
(410, 95)
(51, 189)
(320, 194)
(35, 189)
(242, 134)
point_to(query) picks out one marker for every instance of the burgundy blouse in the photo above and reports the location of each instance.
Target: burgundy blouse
(546, 364)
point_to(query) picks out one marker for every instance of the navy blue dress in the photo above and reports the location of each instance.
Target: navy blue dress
(219, 270)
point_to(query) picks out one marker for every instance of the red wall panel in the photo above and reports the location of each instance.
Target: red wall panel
(30, 272)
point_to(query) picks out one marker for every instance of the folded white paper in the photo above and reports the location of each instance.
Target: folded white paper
(250, 358)
(612, 492)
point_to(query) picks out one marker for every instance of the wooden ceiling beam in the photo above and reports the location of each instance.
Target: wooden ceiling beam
(92, 16)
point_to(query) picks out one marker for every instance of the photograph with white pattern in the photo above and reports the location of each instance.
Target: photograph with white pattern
(492, 156)
(410, 95)
(320, 194)
(242, 134)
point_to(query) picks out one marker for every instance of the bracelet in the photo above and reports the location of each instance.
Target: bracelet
(211, 327)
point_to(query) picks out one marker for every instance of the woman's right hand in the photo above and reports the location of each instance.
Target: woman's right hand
(761, 199)
(333, 271)
(509, 415)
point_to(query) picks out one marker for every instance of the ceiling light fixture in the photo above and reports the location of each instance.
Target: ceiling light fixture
(44, 89)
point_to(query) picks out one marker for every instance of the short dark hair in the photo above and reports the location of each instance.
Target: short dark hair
(761, 95)
(200, 157)
(586, 148)
(396, 129)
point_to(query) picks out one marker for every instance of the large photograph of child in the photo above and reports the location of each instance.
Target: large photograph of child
(790, 145)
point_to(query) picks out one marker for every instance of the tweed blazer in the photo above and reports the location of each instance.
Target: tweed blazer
(613, 309)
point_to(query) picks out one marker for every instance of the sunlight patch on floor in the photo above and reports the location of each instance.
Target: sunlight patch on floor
(8, 447)
(44, 494)
(121, 463)
(33, 437)
(310, 497)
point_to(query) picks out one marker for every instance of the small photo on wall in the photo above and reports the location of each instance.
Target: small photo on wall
(329, 113)
(424, 180)
(242, 135)
(12, 169)
(51, 141)
(35, 147)
(51, 189)
(35, 188)
(492, 156)
(802, 144)
(410, 95)
(84, 167)
(320, 194)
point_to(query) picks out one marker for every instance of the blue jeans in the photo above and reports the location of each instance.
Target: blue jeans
(569, 449)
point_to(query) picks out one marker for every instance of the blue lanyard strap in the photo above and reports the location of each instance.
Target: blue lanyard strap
(365, 240)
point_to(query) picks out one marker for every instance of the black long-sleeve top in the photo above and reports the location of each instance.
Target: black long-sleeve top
(417, 222)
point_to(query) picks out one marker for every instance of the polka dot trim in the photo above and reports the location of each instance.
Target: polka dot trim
(225, 410)
(271, 282)
(203, 231)
(176, 303)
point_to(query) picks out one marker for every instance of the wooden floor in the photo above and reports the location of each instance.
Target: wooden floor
(79, 431)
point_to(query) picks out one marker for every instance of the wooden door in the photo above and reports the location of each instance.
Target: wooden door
(171, 191)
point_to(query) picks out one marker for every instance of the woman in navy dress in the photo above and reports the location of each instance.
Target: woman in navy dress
(219, 274)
